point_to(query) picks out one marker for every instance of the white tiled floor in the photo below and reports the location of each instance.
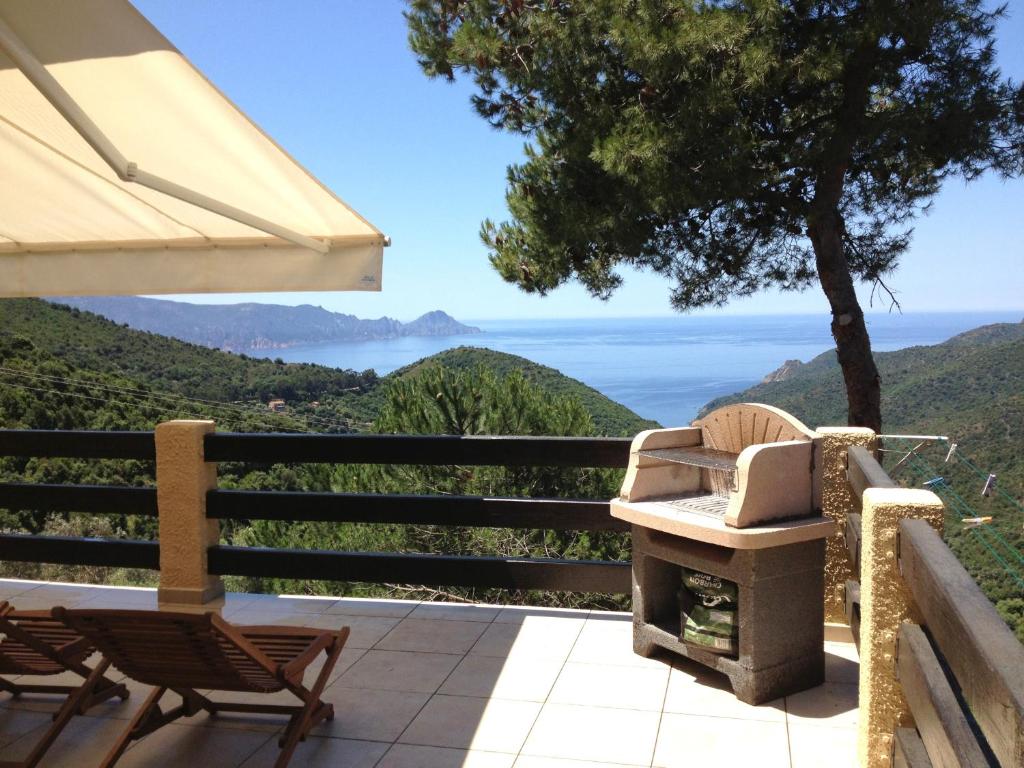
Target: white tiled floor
(429, 685)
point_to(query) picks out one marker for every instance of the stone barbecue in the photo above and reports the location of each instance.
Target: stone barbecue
(734, 496)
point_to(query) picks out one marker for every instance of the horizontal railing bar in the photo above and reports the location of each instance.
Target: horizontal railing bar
(79, 444)
(944, 728)
(977, 645)
(471, 511)
(851, 600)
(908, 750)
(429, 570)
(475, 450)
(97, 499)
(62, 550)
(852, 538)
(863, 471)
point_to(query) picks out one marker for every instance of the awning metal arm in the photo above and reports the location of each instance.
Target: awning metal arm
(126, 170)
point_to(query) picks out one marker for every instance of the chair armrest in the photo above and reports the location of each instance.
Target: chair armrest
(303, 660)
(278, 630)
(82, 646)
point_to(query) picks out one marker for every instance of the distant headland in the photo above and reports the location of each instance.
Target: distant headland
(250, 327)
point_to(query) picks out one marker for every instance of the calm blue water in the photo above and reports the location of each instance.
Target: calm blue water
(662, 368)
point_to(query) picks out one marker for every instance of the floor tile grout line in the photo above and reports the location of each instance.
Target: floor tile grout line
(789, 741)
(438, 688)
(554, 682)
(262, 744)
(661, 715)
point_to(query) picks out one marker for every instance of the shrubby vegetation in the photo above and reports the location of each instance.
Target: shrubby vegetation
(609, 417)
(968, 388)
(441, 400)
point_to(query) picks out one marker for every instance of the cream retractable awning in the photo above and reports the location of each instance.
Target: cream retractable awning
(124, 171)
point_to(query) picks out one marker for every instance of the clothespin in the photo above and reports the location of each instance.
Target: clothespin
(952, 450)
(990, 485)
(972, 522)
(934, 482)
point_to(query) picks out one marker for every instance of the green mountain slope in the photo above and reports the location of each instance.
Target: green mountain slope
(610, 417)
(138, 378)
(969, 388)
(91, 342)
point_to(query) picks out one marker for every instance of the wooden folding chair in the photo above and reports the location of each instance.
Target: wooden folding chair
(34, 643)
(182, 652)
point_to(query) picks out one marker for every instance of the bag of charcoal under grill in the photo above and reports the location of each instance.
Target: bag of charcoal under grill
(709, 612)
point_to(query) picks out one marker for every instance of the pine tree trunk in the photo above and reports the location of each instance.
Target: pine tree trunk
(853, 347)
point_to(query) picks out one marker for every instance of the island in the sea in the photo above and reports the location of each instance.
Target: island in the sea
(249, 327)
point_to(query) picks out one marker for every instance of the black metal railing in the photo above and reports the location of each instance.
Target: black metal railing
(427, 569)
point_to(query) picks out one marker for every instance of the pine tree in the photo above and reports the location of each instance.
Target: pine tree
(730, 146)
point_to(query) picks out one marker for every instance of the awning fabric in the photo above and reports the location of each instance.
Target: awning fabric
(91, 84)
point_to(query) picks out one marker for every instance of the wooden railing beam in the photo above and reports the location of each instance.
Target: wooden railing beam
(66, 550)
(863, 471)
(944, 729)
(909, 750)
(79, 444)
(470, 511)
(434, 450)
(979, 648)
(94, 499)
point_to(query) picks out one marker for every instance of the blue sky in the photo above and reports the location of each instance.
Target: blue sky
(333, 81)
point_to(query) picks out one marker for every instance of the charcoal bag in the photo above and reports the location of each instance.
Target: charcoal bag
(709, 612)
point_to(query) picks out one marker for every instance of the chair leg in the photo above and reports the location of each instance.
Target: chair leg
(11, 688)
(312, 713)
(106, 690)
(103, 690)
(138, 722)
(68, 710)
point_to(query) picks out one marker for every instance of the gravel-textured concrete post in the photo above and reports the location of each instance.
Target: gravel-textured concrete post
(183, 477)
(885, 604)
(837, 500)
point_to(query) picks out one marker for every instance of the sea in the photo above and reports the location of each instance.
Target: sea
(663, 368)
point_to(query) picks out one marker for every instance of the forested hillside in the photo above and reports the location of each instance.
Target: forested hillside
(610, 417)
(82, 342)
(969, 388)
(178, 379)
(62, 368)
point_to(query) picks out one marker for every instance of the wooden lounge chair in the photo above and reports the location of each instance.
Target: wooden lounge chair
(183, 652)
(34, 643)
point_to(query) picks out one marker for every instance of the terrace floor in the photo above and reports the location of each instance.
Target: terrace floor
(444, 685)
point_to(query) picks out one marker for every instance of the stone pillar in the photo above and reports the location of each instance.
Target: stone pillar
(183, 477)
(836, 499)
(885, 604)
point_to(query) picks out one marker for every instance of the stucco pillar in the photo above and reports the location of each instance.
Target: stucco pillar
(183, 478)
(885, 603)
(837, 501)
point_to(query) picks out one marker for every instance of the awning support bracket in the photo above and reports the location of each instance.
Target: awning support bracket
(126, 170)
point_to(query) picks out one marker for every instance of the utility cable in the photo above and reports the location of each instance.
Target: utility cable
(958, 505)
